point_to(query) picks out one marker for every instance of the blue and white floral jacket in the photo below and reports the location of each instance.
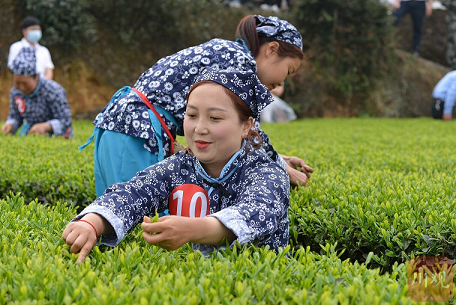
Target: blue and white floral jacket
(166, 85)
(48, 103)
(251, 198)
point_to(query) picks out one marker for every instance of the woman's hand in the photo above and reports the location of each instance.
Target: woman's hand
(298, 170)
(7, 128)
(82, 237)
(40, 128)
(429, 8)
(396, 4)
(172, 232)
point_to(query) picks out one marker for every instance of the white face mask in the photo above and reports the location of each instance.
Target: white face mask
(34, 35)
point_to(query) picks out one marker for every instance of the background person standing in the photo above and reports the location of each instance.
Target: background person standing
(416, 9)
(31, 30)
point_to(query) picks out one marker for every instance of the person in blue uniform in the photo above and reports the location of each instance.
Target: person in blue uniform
(38, 105)
(138, 127)
(221, 190)
(444, 97)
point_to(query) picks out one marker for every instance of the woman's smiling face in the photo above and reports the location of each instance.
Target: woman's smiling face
(212, 127)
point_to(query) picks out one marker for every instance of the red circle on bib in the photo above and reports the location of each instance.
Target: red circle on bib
(189, 200)
(20, 103)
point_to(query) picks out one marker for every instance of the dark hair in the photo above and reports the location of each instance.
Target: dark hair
(29, 21)
(246, 30)
(242, 110)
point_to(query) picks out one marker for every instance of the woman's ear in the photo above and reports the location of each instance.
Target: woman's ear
(272, 48)
(247, 126)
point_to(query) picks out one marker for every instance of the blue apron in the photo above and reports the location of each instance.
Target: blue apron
(118, 157)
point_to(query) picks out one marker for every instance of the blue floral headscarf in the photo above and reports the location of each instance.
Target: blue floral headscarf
(244, 84)
(278, 29)
(25, 63)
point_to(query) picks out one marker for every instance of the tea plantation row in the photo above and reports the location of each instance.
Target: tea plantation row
(380, 185)
(48, 169)
(37, 268)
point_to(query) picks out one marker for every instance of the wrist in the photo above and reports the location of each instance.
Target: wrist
(285, 157)
(209, 231)
(194, 229)
(447, 116)
(48, 127)
(100, 224)
(90, 224)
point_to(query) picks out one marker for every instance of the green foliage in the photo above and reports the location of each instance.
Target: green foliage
(65, 23)
(49, 169)
(351, 40)
(37, 268)
(383, 191)
(383, 186)
(175, 24)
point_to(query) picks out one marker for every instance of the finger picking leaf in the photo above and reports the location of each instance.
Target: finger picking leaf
(155, 218)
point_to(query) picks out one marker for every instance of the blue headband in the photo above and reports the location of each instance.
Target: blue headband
(278, 29)
(244, 84)
(25, 63)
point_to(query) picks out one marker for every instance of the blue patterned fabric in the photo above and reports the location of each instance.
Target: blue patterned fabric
(48, 103)
(251, 197)
(278, 29)
(244, 84)
(166, 85)
(25, 63)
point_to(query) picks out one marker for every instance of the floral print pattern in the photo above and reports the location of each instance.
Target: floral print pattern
(251, 197)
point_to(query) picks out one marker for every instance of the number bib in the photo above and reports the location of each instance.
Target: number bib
(189, 200)
(20, 103)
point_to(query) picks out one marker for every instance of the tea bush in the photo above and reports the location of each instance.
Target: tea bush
(381, 185)
(49, 169)
(37, 268)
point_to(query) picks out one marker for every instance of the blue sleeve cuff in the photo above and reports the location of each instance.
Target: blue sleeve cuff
(281, 162)
(113, 239)
(448, 108)
(13, 122)
(233, 220)
(57, 126)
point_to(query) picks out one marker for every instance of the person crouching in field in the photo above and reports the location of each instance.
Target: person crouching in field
(444, 97)
(38, 105)
(222, 189)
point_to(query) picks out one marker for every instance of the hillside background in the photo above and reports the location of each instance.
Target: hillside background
(357, 64)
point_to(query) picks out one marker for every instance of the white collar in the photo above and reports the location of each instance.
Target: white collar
(26, 43)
